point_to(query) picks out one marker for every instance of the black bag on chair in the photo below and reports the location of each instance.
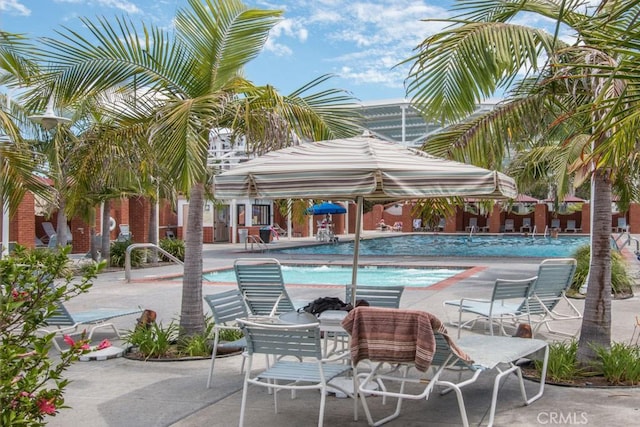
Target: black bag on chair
(319, 305)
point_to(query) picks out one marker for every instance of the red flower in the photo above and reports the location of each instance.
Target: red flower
(69, 340)
(104, 344)
(47, 406)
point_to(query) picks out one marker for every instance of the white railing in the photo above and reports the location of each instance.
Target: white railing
(130, 248)
(258, 241)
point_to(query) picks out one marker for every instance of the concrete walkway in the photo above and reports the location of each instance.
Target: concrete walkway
(123, 392)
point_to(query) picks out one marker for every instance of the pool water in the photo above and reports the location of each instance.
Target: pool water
(338, 275)
(454, 245)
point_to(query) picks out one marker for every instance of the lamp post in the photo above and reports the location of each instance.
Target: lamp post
(49, 120)
(5, 210)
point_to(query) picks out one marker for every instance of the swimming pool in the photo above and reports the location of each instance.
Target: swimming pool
(341, 275)
(453, 245)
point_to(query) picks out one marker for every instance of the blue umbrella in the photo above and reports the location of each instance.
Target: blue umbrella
(326, 208)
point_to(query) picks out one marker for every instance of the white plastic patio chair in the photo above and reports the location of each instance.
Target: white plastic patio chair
(526, 225)
(304, 370)
(376, 296)
(226, 307)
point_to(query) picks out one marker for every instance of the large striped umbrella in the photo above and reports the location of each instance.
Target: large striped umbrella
(359, 167)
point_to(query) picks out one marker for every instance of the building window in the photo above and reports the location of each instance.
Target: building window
(241, 215)
(261, 214)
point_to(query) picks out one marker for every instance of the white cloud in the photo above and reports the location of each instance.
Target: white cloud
(291, 28)
(14, 7)
(121, 5)
(378, 34)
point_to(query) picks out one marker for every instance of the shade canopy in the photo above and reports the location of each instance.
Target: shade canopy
(359, 167)
(523, 198)
(567, 199)
(326, 208)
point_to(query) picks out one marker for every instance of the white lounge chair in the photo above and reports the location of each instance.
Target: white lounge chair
(261, 284)
(555, 224)
(281, 231)
(571, 226)
(65, 322)
(526, 225)
(554, 280)
(425, 344)
(473, 224)
(125, 233)
(509, 226)
(622, 225)
(509, 301)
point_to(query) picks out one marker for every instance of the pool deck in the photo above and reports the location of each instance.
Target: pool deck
(123, 392)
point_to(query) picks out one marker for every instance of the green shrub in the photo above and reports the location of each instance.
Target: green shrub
(118, 252)
(158, 342)
(199, 344)
(620, 364)
(621, 282)
(154, 340)
(32, 383)
(174, 246)
(562, 365)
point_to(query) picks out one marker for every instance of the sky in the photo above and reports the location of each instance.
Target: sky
(359, 42)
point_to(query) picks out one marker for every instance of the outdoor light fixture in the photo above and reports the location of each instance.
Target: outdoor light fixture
(49, 119)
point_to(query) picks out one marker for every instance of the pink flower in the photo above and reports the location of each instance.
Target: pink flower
(69, 340)
(104, 344)
(82, 345)
(47, 406)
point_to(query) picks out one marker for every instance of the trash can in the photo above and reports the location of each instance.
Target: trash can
(242, 235)
(265, 234)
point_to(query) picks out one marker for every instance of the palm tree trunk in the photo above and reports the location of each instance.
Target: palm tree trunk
(596, 324)
(152, 235)
(61, 224)
(192, 310)
(105, 250)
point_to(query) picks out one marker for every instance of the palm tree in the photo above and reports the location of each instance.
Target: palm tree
(18, 160)
(563, 94)
(195, 74)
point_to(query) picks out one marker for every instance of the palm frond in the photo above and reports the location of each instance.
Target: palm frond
(458, 68)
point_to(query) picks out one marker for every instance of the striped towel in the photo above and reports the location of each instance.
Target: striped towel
(396, 336)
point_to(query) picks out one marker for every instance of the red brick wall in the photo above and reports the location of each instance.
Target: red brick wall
(22, 228)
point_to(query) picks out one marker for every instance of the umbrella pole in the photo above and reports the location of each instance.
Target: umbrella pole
(356, 248)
